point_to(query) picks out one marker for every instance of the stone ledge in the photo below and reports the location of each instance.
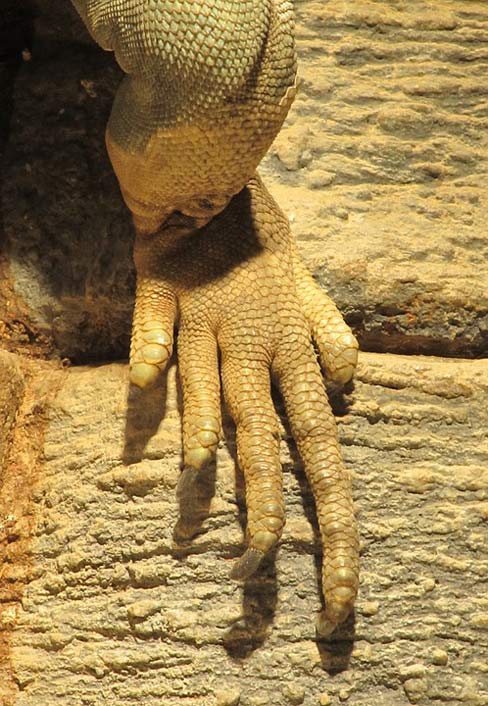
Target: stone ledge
(114, 610)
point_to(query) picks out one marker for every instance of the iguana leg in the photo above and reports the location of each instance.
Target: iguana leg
(190, 123)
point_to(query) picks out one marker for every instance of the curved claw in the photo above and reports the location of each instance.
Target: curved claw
(194, 500)
(324, 625)
(337, 609)
(247, 564)
(144, 375)
(186, 482)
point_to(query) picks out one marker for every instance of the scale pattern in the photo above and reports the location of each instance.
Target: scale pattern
(207, 90)
(208, 86)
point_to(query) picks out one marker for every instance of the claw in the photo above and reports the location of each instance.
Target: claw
(199, 457)
(247, 564)
(339, 603)
(187, 481)
(324, 625)
(345, 360)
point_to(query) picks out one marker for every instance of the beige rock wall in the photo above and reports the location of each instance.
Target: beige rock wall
(382, 167)
(116, 612)
(11, 391)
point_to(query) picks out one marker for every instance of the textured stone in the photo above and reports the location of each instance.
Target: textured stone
(415, 689)
(116, 609)
(227, 697)
(24, 400)
(69, 266)
(439, 657)
(294, 694)
(11, 391)
(392, 111)
(324, 699)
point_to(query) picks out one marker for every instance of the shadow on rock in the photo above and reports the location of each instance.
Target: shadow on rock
(195, 492)
(260, 591)
(145, 412)
(69, 235)
(16, 37)
(335, 651)
(259, 599)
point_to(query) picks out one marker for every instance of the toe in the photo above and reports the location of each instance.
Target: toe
(247, 393)
(152, 331)
(314, 429)
(198, 366)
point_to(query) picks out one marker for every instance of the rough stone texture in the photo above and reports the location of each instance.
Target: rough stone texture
(381, 167)
(116, 612)
(69, 235)
(26, 401)
(11, 391)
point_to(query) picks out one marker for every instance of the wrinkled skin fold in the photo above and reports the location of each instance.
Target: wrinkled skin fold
(208, 86)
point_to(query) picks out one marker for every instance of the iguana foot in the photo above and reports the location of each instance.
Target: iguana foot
(248, 307)
(185, 135)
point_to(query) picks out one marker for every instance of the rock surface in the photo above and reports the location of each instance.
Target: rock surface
(381, 167)
(11, 391)
(117, 612)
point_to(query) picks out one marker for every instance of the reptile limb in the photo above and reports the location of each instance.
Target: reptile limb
(208, 86)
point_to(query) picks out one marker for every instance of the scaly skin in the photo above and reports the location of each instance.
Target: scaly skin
(208, 85)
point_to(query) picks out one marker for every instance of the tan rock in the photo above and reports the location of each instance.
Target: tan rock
(294, 694)
(439, 657)
(415, 689)
(324, 699)
(11, 391)
(227, 697)
(133, 609)
(408, 265)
